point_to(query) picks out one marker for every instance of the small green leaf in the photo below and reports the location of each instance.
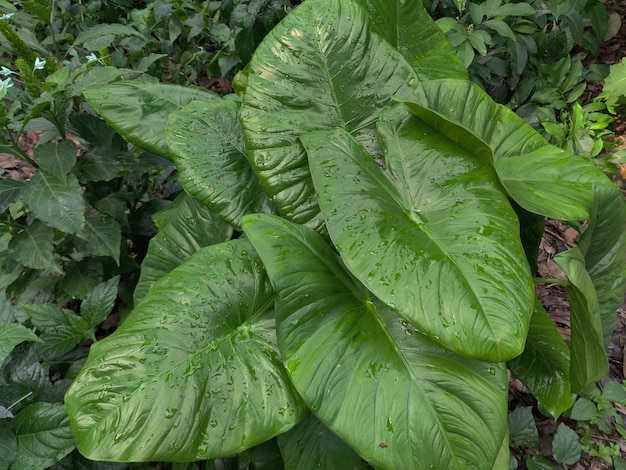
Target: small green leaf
(61, 329)
(11, 335)
(56, 159)
(614, 88)
(57, 202)
(515, 9)
(33, 247)
(501, 28)
(43, 436)
(522, 427)
(584, 410)
(99, 302)
(81, 277)
(9, 191)
(8, 446)
(566, 447)
(104, 237)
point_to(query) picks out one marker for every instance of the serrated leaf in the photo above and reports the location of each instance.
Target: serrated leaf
(184, 227)
(310, 445)
(139, 110)
(522, 426)
(81, 277)
(302, 78)
(104, 237)
(566, 447)
(61, 329)
(206, 144)
(614, 87)
(544, 365)
(430, 236)
(56, 159)
(584, 410)
(99, 302)
(11, 335)
(43, 436)
(58, 203)
(391, 393)
(9, 191)
(195, 365)
(33, 247)
(588, 358)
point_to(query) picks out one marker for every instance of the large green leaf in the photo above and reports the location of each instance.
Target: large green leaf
(604, 245)
(311, 445)
(320, 68)
(433, 236)
(543, 367)
(425, 47)
(395, 396)
(193, 373)
(43, 436)
(206, 143)
(56, 159)
(138, 110)
(184, 227)
(540, 177)
(588, 357)
(57, 202)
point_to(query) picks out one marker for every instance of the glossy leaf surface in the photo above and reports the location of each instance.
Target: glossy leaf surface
(425, 47)
(544, 365)
(193, 373)
(320, 68)
(138, 110)
(540, 177)
(588, 357)
(184, 226)
(603, 244)
(395, 396)
(206, 143)
(433, 236)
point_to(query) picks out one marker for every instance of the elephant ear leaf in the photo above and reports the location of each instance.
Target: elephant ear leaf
(187, 375)
(521, 156)
(425, 48)
(303, 78)
(396, 397)
(433, 236)
(138, 110)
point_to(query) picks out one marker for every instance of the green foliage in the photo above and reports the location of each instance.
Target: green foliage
(377, 281)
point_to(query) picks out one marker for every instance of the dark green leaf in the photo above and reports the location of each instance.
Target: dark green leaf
(56, 159)
(521, 155)
(8, 446)
(184, 227)
(320, 68)
(9, 191)
(57, 202)
(588, 357)
(99, 302)
(584, 410)
(33, 247)
(522, 427)
(603, 244)
(395, 396)
(206, 143)
(61, 329)
(544, 365)
(311, 445)
(104, 237)
(139, 110)
(43, 436)
(425, 48)
(515, 9)
(566, 447)
(11, 335)
(102, 35)
(193, 373)
(433, 236)
(81, 277)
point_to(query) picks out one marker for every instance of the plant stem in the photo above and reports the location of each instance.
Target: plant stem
(551, 280)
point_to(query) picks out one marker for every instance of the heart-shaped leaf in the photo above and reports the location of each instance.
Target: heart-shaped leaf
(206, 143)
(320, 68)
(433, 236)
(193, 373)
(395, 396)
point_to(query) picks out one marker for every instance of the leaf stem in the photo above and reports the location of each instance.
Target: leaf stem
(551, 280)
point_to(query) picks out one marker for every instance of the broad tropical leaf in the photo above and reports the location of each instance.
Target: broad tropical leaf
(59, 203)
(320, 68)
(311, 445)
(184, 226)
(206, 144)
(425, 47)
(395, 396)
(521, 156)
(138, 110)
(33, 247)
(603, 244)
(433, 236)
(193, 373)
(588, 357)
(544, 365)
(43, 436)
